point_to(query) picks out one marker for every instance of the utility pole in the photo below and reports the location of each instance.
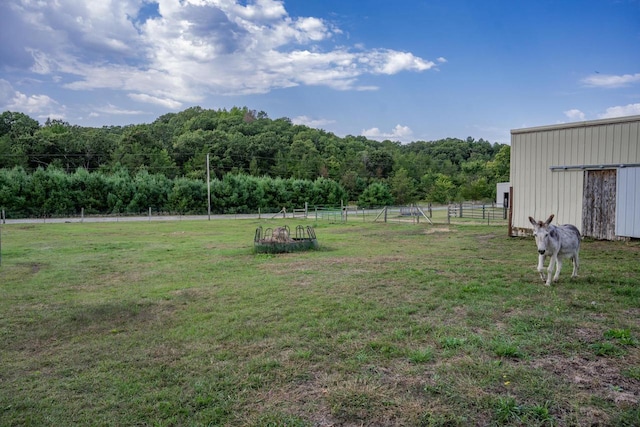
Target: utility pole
(208, 190)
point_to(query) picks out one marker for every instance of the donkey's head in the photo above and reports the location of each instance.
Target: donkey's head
(541, 232)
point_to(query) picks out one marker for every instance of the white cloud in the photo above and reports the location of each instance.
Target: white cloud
(41, 63)
(114, 110)
(392, 62)
(366, 88)
(6, 92)
(31, 104)
(402, 131)
(398, 133)
(574, 114)
(38, 105)
(621, 111)
(311, 29)
(194, 48)
(611, 81)
(312, 123)
(41, 106)
(164, 102)
(261, 10)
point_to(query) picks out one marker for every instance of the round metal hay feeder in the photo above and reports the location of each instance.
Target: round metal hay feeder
(280, 240)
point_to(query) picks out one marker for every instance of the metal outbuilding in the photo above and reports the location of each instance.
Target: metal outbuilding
(585, 173)
(502, 194)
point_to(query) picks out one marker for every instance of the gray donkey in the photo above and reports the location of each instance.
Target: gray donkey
(556, 242)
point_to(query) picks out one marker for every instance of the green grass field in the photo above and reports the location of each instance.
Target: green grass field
(182, 324)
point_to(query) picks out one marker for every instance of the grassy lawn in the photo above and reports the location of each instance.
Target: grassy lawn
(182, 324)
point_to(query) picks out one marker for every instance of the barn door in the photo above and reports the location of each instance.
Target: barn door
(599, 204)
(628, 206)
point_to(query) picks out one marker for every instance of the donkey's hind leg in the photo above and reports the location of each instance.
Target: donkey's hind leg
(576, 265)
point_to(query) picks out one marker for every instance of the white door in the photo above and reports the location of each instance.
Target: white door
(628, 202)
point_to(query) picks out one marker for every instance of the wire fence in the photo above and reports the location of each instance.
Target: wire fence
(459, 213)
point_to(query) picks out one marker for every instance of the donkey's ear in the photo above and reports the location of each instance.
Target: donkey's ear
(533, 221)
(549, 220)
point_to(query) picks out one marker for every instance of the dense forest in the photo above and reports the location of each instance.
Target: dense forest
(255, 163)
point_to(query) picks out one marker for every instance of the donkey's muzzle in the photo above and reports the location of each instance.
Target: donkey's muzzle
(541, 251)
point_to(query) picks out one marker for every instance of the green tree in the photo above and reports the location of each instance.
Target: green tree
(11, 154)
(275, 194)
(402, 187)
(17, 125)
(188, 144)
(443, 190)
(327, 192)
(243, 142)
(89, 191)
(47, 144)
(188, 196)
(14, 192)
(149, 191)
(17, 132)
(353, 184)
(300, 192)
(477, 190)
(49, 193)
(96, 146)
(119, 189)
(237, 193)
(139, 150)
(281, 167)
(501, 164)
(375, 195)
(304, 159)
(378, 163)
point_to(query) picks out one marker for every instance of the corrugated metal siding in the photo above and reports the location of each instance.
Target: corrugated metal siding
(538, 191)
(628, 206)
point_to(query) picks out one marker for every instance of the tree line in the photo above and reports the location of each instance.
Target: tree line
(255, 162)
(52, 191)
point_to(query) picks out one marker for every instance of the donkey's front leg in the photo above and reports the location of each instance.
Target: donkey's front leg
(558, 268)
(552, 263)
(541, 267)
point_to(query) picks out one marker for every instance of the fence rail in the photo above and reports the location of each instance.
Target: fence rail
(477, 212)
(413, 214)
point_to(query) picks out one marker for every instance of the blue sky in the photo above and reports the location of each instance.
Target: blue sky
(402, 70)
